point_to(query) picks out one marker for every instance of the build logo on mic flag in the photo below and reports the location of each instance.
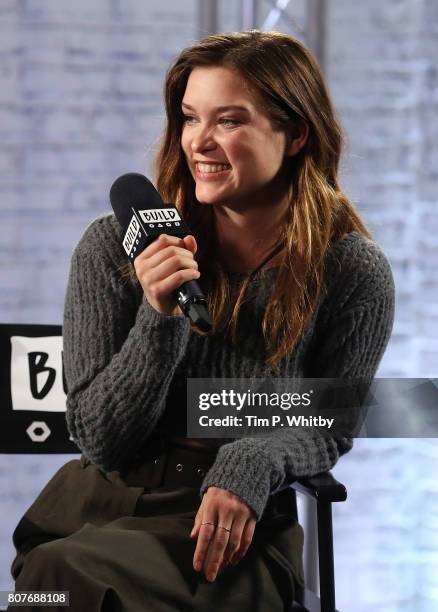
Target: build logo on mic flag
(168, 216)
(149, 224)
(132, 236)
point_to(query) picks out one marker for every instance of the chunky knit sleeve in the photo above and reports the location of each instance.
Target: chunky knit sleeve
(119, 353)
(357, 320)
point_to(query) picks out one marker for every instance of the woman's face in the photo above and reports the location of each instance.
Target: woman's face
(216, 134)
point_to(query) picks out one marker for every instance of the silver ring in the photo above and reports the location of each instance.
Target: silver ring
(226, 528)
(207, 523)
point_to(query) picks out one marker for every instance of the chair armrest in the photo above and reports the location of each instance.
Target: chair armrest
(323, 487)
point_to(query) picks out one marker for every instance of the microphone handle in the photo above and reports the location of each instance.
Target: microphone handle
(192, 302)
(189, 296)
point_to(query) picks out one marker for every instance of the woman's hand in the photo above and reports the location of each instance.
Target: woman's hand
(224, 509)
(163, 267)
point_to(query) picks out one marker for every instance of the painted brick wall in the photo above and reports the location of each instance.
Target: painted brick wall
(383, 78)
(80, 103)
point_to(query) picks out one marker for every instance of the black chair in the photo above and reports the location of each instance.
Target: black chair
(325, 490)
(32, 421)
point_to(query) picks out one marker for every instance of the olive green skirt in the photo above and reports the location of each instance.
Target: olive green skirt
(116, 548)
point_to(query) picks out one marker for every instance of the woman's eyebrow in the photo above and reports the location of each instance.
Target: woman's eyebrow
(221, 108)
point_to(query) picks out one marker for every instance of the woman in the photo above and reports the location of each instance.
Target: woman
(296, 288)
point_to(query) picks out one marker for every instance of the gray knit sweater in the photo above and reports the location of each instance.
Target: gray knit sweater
(126, 365)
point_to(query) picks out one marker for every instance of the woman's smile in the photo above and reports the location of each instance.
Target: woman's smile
(211, 172)
(231, 147)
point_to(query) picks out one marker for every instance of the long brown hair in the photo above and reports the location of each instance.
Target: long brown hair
(288, 83)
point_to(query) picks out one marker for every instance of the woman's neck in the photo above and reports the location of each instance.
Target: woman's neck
(245, 239)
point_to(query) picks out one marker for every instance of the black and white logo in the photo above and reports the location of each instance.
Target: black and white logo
(131, 236)
(160, 215)
(36, 374)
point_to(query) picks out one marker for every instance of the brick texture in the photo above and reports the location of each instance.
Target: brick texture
(80, 103)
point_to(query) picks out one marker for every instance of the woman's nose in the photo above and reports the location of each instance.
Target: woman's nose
(203, 140)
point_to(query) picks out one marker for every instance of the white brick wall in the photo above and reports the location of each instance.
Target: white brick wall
(80, 103)
(383, 78)
(382, 74)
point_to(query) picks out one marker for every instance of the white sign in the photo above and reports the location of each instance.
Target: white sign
(159, 215)
(131, 235)
(36, 374)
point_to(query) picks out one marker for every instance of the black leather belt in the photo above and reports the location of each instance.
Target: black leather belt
(164, 464)
(167, 464)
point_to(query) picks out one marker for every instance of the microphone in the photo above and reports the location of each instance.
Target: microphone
(143, 216)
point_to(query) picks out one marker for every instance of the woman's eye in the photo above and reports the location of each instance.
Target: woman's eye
(224, 120)
(230, 122)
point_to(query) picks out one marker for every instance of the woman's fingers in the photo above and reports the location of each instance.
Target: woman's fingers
(160, 290)
(224, 526)
(164, 240)
(206, 535)
(195, 531)
(218, 546)
(234, 540)
(190, 244)
(245, 541)
(163, 267)
(168, 252)
(170, 265)
(214, 513)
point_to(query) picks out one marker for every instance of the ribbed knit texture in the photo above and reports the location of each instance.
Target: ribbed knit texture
(126, 365)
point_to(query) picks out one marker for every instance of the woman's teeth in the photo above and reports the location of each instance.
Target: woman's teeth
(212, 167)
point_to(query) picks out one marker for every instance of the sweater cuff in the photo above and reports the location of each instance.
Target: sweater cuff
(245, 469)
(153, 317)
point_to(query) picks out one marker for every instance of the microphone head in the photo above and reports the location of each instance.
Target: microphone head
(140, 211)
(143, 216)
(133, 190)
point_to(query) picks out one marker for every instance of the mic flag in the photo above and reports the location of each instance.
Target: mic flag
(143, 216)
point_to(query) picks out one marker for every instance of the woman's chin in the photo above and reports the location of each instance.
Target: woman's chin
(205, 197)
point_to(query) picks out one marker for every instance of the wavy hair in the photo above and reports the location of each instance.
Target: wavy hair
(286, 78)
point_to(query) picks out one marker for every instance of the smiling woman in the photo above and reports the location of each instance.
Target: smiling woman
(296, 288)
(239, 162)
(234, 153)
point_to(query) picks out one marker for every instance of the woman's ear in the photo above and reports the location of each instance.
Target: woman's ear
(297, 137)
